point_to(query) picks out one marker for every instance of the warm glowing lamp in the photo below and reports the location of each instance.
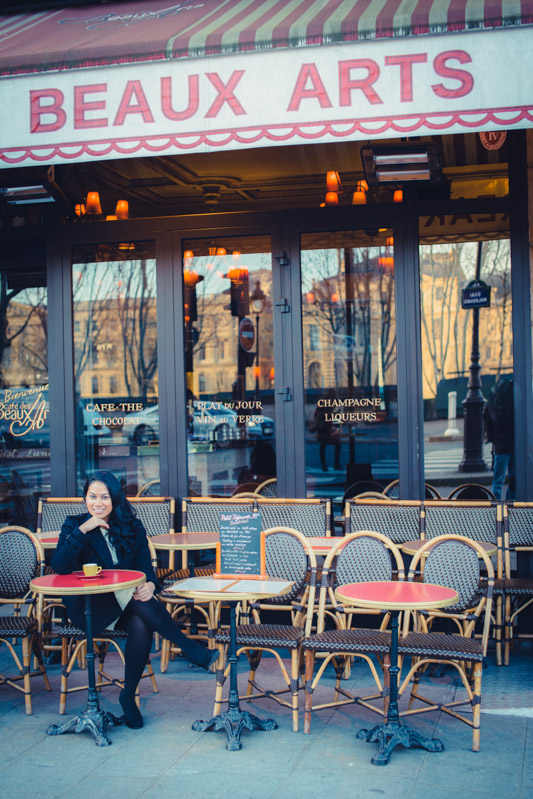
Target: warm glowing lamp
(256, 372)
(359, 198)
(236, 255)
(122, 210)
(221, 251)
(310, 297)
(79, 210)
(332, 198)
(111, 218)
(92, 204)
(190, 278)
(398, 196)
(271, 374)
(333, 181)
(335, 297)
(188, 254)
(390, 241)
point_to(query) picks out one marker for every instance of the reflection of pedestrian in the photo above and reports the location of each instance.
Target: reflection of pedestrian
(327, 432)
(498, 415)
(262, 463)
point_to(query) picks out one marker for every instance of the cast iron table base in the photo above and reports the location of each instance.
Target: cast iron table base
(234, 720)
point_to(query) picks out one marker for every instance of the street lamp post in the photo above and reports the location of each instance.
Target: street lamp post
(258, 300)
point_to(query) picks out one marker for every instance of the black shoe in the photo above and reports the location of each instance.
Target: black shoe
(213, 657)
(132, 715)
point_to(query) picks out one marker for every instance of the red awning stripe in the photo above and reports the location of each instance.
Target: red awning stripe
(144, 30)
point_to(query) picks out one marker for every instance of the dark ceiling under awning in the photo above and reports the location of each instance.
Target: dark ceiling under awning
(156, 30)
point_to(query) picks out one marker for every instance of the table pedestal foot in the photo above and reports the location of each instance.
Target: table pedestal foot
(234, 722)
(94, 721)
(390, 736)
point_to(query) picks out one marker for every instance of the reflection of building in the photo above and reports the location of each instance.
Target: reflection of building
(24, 359)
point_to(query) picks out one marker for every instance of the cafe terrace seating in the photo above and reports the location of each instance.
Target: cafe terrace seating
(452, 561)
(518, 591)
(268, 488)
(360, 557)
(21, 559)
(400, 520)
(150, 489)
(288, 556)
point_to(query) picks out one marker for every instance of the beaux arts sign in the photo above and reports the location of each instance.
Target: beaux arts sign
(386, 88)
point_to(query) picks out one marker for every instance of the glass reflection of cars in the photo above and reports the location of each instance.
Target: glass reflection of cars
(208, 422)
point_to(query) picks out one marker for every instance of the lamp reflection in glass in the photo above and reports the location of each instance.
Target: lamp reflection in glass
(92, 204)
(122, 210)
(333, 181)
(257, 301)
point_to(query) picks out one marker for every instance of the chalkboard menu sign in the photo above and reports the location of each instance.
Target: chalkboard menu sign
(241, 550)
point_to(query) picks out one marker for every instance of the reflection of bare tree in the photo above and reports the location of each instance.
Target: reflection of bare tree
(16, 321)
(138, 325)
(444, 270)
(443, 323)
(351, 301)
(90, 313)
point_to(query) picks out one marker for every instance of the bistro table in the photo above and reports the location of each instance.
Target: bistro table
(412, 547)
(211, 589)
(394, 597)
(92, 718)
(185, 542)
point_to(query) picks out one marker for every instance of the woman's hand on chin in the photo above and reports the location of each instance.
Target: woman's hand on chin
(92, 524)
(144, 592)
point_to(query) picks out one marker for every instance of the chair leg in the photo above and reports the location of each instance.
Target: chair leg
(163, 663)
(309, 670)
(26, 668)
(476, 706)
(37, 653)
(295, 668)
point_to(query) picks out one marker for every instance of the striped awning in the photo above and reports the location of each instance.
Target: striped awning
(158, 30)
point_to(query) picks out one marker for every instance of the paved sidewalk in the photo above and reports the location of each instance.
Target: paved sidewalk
(167, 758)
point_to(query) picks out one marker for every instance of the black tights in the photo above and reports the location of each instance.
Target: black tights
(140, 620)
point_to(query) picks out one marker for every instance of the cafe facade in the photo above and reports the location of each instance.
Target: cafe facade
(250, 240)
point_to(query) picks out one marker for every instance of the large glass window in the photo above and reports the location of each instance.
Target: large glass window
(229, 364)
(349, 335)
(115, 362)
(467, 352)
(24, 408)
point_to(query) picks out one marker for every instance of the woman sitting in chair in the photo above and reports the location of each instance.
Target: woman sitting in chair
(111, 536)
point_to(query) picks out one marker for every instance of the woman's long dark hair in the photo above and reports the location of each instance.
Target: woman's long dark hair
(122, 516)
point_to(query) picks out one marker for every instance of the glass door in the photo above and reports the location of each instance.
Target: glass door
(350, 362)
(229, 364)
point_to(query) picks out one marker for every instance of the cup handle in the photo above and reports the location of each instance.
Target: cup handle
(98, 570)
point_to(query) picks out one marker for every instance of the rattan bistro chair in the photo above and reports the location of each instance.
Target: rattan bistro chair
(268, 488)
(518, 591)
(360, 557)
(21, 559)
(150, 489)
(289, 557)
(452, 561)
(392, 490)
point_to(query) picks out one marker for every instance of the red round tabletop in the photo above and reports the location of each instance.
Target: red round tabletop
(77, 583)
(397, 595)
(323, 545)
(185, 541)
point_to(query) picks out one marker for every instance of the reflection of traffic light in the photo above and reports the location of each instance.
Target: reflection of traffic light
(239, 291)
(190, 280)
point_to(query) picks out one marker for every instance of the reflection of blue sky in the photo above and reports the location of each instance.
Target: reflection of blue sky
(109, 279)
(213, 268)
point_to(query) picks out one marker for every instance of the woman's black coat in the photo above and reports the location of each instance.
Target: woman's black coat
(75, 548)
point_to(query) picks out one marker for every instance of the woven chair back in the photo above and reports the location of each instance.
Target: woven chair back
(21, 559)
(455, 564)
(286, 559)
(480, 521)
(156, 514)
(311, 517)
(518, 518)
(392, 490)
(269, 488)
(364, 559)
(53, 511)
(399, 520)
(151, 489)
(471, 491)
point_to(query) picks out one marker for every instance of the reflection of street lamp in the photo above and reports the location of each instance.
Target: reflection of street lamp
(258, 300)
